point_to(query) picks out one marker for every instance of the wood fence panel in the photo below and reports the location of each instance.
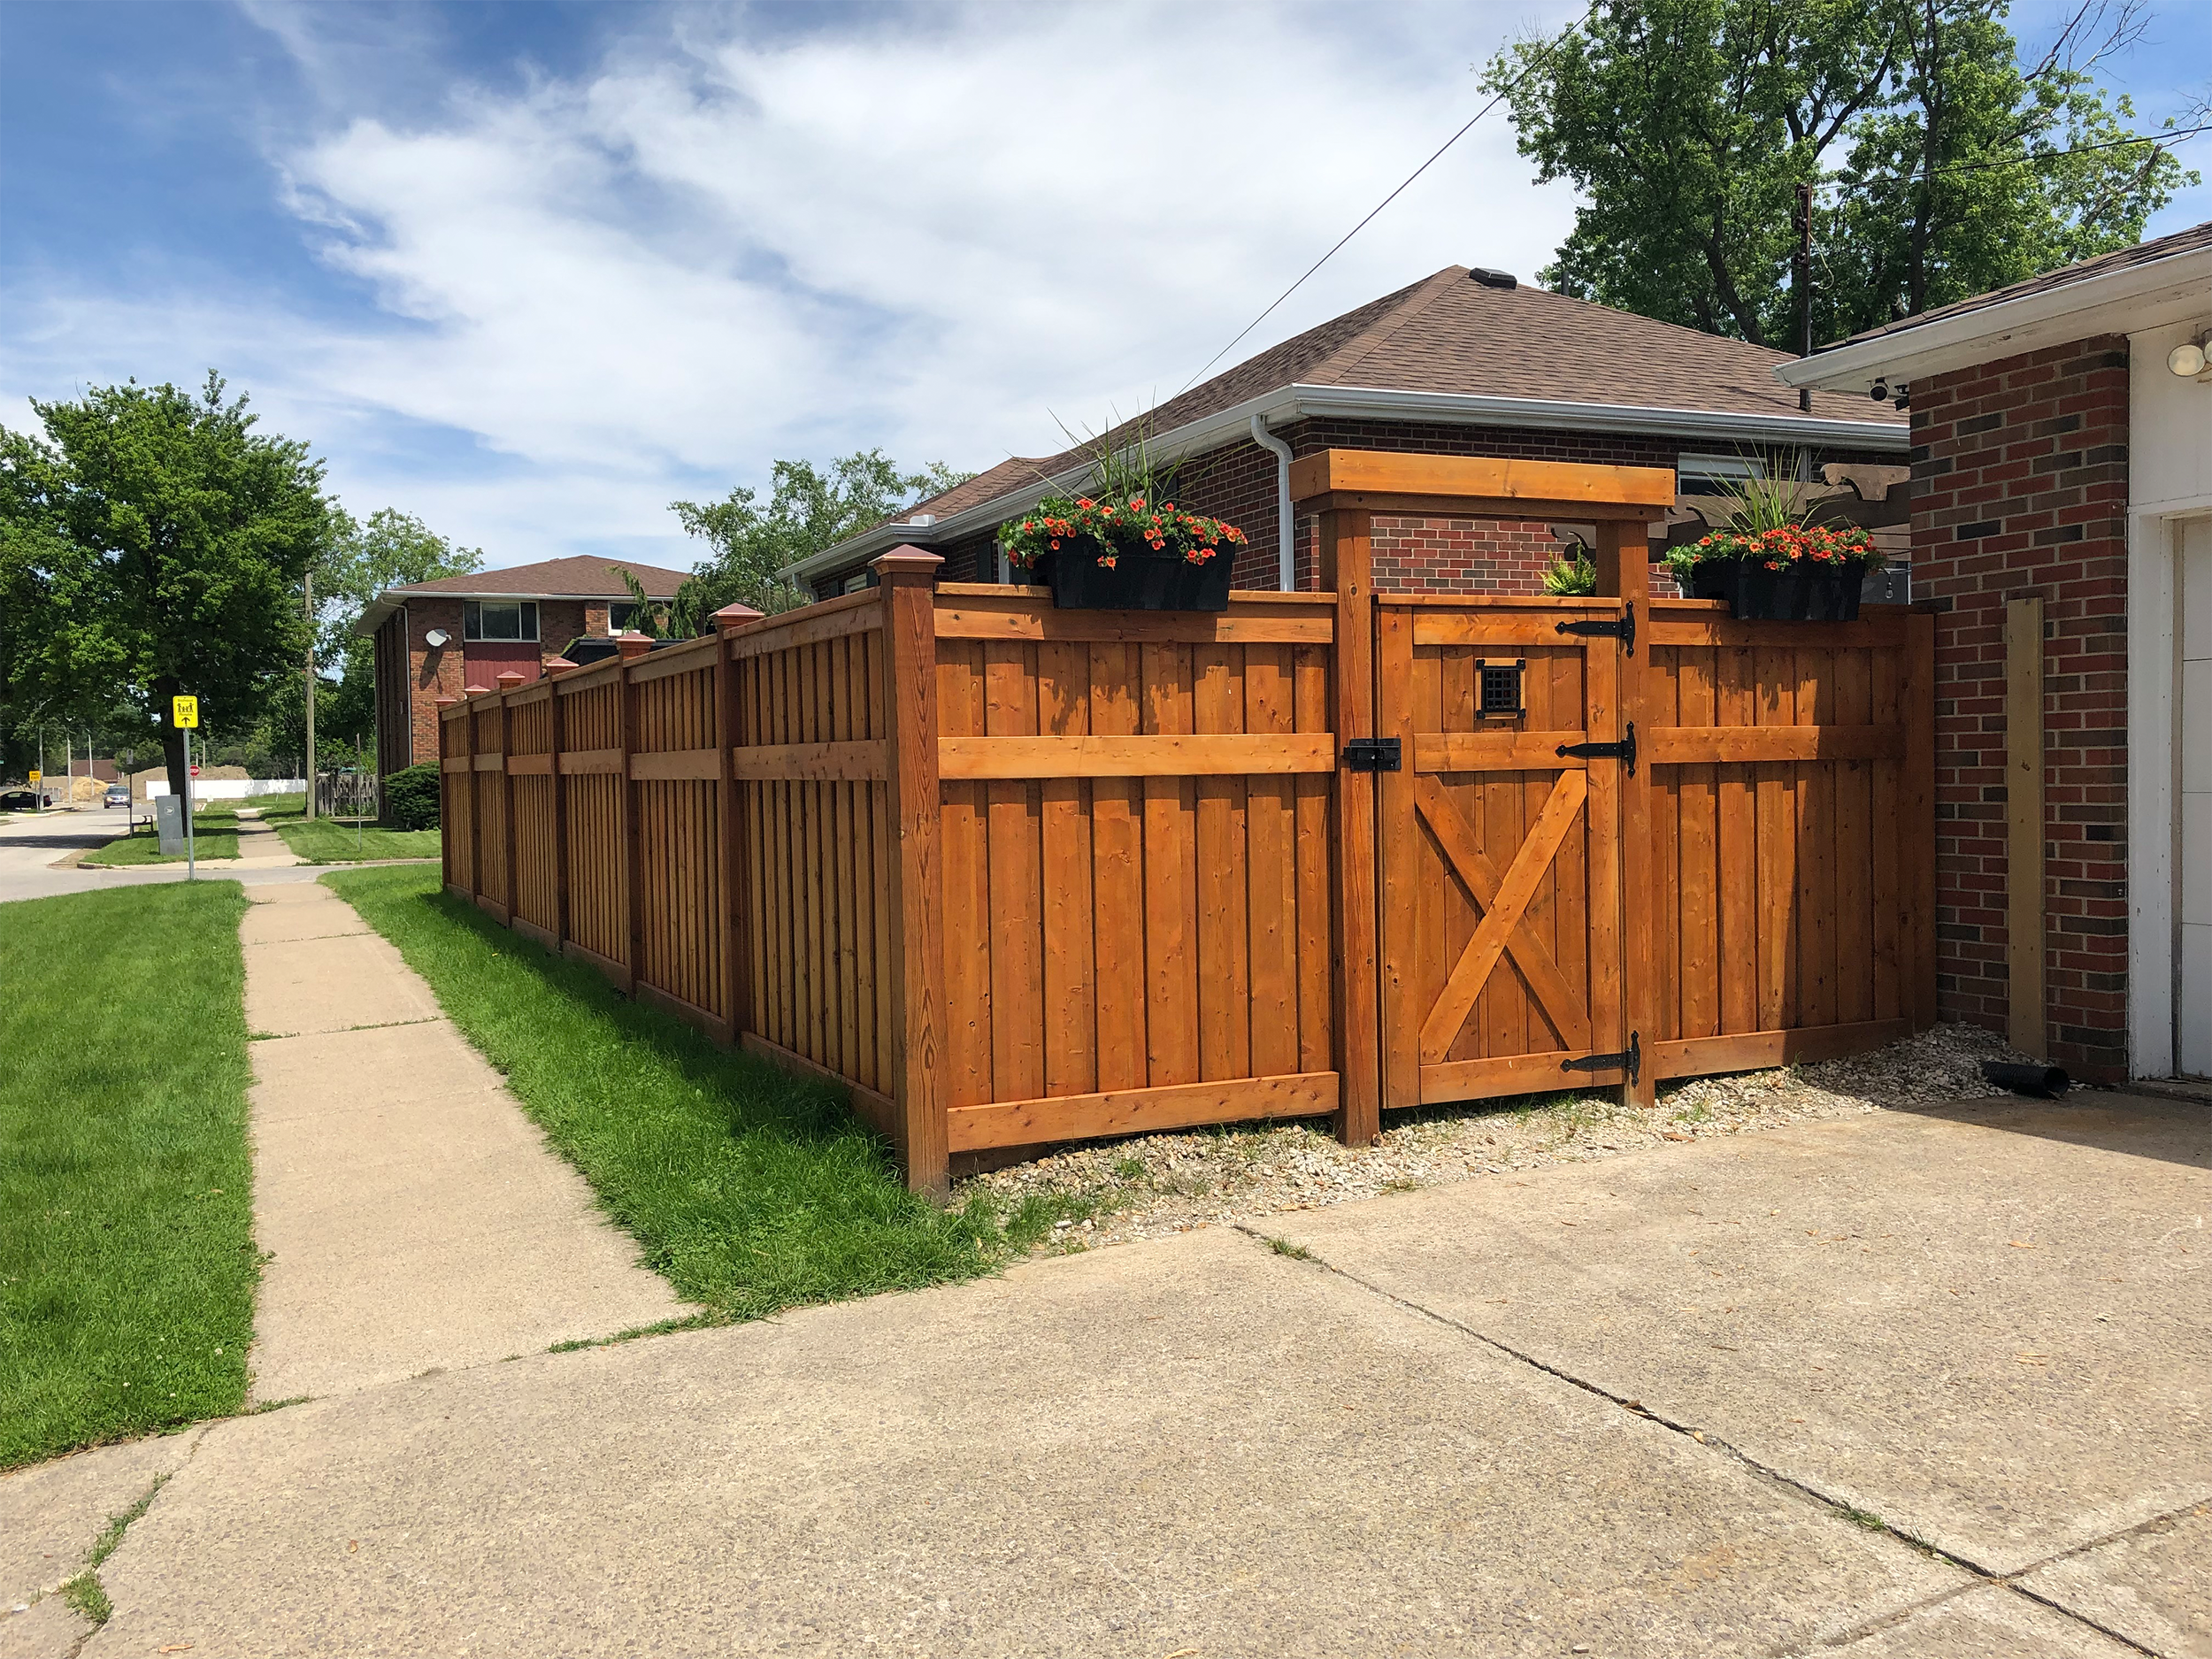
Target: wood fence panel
(456, 796)
(535, 876)
(1127, 924)
(1781, 918)
(679, 827)
(591, 802)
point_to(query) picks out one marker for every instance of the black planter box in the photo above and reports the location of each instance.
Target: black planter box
(1800, 592)
(1136, 582)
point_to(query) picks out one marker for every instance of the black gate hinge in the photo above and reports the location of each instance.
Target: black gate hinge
(1625, 749)
(1371, 754)
(1629, 1060)
(1624, 630)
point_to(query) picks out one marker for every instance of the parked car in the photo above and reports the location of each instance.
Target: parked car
(19, 800)
(117, 795)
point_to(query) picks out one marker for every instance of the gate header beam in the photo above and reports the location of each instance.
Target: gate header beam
(1479, 486)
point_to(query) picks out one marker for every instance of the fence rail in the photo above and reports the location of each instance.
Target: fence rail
(1017, 875)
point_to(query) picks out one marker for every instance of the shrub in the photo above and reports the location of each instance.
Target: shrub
(410, 796)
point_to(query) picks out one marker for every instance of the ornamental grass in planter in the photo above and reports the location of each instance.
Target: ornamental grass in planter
(1119, 546)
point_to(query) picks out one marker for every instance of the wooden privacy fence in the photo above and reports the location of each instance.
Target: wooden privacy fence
(1017, 875)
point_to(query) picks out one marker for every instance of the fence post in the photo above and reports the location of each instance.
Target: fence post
(737, 917)
(449, 796)
(633, 646)
(918, 959)
(473, 725)
(509, 680)
(1623, 565)
(555, 667)
(1918, 808)
(1347, 566)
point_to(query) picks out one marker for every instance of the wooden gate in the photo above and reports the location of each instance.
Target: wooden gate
(1500, 842)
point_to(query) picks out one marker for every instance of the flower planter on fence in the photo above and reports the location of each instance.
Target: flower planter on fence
(1800, 591)
(1135, 582)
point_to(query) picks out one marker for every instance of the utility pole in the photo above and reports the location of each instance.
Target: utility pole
(1805, 288)
(308, 587)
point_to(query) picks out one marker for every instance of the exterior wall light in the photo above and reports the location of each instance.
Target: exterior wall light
(2186, 360)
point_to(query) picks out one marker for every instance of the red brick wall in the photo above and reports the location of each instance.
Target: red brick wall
(431, 674)
(2020, 470)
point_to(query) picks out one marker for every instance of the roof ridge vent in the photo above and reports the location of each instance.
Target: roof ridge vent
(1491, 278)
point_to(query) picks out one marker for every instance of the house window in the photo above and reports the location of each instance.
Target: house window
(620, 614)
(1715, 474)
(499, 619)
(859, 581)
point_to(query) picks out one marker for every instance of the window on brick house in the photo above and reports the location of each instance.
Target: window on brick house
(499, 619)
(1714, 474)
(620, 614)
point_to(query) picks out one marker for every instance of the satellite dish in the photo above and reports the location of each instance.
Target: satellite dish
(437, 639)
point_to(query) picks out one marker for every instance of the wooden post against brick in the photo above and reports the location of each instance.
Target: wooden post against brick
(632, 647)
(1916, 804)
(917, 1085)
(2025, 1026)
(737, 909)
(1347, 568)
(1623, 557)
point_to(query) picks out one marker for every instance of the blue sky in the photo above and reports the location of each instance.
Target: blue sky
(532, 270)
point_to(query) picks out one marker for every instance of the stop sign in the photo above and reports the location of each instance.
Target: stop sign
(195, 772)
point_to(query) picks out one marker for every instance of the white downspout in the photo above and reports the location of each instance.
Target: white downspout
(1285, 523)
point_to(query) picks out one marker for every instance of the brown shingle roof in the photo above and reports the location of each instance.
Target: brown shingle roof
(1450, 334)
(2158, 248)
(584, 576)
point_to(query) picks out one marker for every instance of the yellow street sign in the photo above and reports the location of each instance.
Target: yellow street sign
(184, 713)
(35, 776)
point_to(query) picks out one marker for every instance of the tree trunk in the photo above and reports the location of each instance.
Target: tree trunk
(172, 754)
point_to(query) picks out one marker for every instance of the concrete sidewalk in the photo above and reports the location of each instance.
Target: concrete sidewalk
(1513, 1416)
(414, 1219)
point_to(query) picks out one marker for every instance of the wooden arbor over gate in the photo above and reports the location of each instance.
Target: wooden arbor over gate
(1018, 875)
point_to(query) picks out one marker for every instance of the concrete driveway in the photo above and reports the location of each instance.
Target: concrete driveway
(1927, 1385)
(32, 846)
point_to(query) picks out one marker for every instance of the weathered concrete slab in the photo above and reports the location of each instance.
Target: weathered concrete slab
(1991, 1329)
(46, 1629)
(52, 1514)
(1194, 1444)
(1989, 1623)
(414, 1218)
(311, 985)
(2153, 1586)
(301, 889)
(279, 924)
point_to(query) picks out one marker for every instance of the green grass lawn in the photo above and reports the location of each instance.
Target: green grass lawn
(126, 1253)
(326, 842)
(214, 835)
(751, 1190)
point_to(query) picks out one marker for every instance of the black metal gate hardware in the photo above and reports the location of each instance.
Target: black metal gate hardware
(1371, 754)
(1629, 1060)
(1624, 630)
(1625, 749)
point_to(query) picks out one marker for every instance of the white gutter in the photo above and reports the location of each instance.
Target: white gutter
(2176, 283)
(1286, 516)
(1286, 403)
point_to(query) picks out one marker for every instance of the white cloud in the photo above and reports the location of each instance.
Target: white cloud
(721, 248)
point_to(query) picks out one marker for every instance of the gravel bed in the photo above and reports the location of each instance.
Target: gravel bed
(1151, 1184)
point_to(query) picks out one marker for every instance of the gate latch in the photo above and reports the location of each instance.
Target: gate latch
(1630, 1060)
(1624, 630)
(1371, 754)
(1625, 749)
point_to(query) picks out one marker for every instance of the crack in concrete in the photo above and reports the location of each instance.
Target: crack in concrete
(1982, 1576)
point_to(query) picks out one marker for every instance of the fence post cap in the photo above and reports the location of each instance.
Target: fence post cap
(906, 560)
(632, 644)
(560, 666)
(510, 678)
(476, 691)
(731, 616)
(445, 703)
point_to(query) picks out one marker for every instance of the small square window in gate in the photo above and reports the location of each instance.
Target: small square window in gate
(1498, 690)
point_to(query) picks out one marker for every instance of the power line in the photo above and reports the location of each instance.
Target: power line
(1503, 92)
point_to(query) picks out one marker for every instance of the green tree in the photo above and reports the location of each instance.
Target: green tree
(810, 508)
(152, 544)
(1689, 125)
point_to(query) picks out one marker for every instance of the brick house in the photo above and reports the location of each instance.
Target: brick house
(2062, 434)
(1461, 363)
(435, 639)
